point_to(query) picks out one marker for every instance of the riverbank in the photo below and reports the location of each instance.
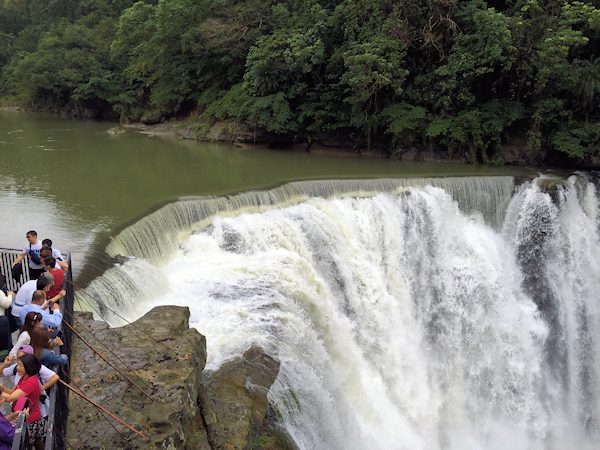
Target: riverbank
(195, 127)
(229, 132)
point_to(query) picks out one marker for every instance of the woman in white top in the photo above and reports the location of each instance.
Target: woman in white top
(5, 301)
(5, 340)
(31, 320)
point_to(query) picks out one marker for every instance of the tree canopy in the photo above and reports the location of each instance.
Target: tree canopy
(466, 76)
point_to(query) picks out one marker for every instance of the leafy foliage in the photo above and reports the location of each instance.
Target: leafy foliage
(578, 142)
(465, 76)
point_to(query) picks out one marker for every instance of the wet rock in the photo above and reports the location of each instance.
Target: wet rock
(115, 131)
(166, 360)
(229, 131)
(552, 186)
(187, 409)
(409, 154)
(151, 118)
(513, 154)
(234, 402)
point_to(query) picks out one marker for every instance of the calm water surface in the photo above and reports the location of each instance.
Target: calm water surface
(74, 182)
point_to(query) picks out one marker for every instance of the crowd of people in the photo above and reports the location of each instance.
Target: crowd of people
(30, 339)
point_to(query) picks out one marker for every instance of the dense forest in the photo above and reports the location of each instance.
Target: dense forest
(463, 76)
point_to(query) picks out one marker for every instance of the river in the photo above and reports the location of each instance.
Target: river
(75, 183)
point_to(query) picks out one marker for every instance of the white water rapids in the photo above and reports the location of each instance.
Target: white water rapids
(401, 320)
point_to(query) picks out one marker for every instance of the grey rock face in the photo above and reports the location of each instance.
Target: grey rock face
(167, 363)
(235, 402)
(187, 409)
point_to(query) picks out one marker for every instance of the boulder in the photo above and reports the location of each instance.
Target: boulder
(160, 354)
(116, 131)
(513, 154)
(552, 186)
(151, 118)
(179, 406)
(409, 154)
(234, 403)
(231, 131)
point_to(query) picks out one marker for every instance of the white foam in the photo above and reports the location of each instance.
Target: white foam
(400, 321)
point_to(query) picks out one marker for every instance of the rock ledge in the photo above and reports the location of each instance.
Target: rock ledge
(188, 409)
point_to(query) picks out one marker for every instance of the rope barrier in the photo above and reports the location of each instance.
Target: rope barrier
(107, 361)
(123, 438)
(171, 350)
(101, 408)
(117, 357)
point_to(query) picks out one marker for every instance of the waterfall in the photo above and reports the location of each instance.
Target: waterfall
(158, 235)
(407, 314)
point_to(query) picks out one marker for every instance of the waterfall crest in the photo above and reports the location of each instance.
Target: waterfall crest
(402, 318)
(157, 236)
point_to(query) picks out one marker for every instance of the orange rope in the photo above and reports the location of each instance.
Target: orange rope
(82, 395)
(133, 325)
(106, 360)
(103, 416)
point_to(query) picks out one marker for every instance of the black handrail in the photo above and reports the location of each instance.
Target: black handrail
(58, 408)
(58, 395)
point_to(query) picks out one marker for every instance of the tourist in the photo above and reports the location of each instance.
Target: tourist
(7, 430)
(32, 251)
(60, 260)
(58, 275)
(42, 347)
(3, 284)
(31, 320)
(28, 368)
(5, 340)
(25, 294)
(51, 318)
(48, 378)
(45, 253)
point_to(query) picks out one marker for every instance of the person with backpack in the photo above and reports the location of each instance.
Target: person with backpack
(32, 251)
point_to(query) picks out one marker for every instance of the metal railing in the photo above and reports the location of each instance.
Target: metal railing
(58, 395)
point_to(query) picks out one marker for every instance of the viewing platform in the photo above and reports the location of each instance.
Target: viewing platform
(57, 395)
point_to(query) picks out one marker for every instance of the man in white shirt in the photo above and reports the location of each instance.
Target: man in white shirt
(25, 294)
(32, 251)
(52, 318)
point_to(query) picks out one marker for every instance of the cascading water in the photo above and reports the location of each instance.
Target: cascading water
(423, 317)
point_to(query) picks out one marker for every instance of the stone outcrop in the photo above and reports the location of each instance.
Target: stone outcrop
(235, 402)
(552, 186)
(180, 406)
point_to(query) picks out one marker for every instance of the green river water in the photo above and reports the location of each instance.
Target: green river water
(75, 183)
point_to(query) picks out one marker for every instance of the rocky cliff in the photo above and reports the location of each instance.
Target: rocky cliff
(168, 396)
